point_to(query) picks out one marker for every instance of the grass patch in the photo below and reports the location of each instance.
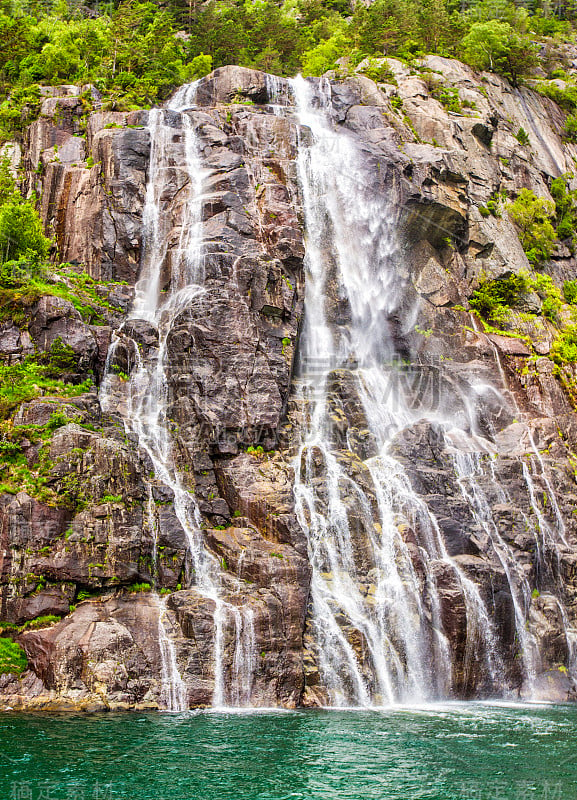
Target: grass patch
(12, 657)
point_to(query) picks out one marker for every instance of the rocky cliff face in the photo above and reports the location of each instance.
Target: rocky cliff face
(502, 490)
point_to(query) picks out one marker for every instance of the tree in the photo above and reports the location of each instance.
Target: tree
(385, 25)
(497, 47)
(21, 232)
(324, 56)
(435, 24)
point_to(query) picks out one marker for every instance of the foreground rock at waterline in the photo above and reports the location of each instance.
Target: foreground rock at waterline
(232, 389)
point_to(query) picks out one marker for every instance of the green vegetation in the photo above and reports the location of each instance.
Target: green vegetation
(541, 224)
(570, 292)
(493, 299)
(139, 587)
(12, 657)
(565, 209)
(130, 52)
(498, 46)
(533, 217)
(29, 379)
(40, 622)
(564, 349)
(494, 205)
(112, 498)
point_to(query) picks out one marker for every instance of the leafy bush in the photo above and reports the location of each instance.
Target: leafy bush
(493, 298)
(27, 380)
(9, 450)
(533, 215)
(570, 292)
(379, 71)
(60, 359)
(324, 56)
(522, 136)
(566, 98)
(551, 308)
(565, 208)
(564, 348)
(570, 128)
(448, 97)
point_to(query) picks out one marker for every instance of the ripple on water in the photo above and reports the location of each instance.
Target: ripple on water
(448, 752)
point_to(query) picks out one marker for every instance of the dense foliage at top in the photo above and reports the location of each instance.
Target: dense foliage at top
(136, 51)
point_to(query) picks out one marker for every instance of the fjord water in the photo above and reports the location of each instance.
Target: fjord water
(453, 752)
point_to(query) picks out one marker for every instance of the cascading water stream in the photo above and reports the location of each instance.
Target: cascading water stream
(145, 409)
(377, 553)
(473, 471)
(383, 642)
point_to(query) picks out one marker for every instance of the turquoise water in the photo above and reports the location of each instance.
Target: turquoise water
(451, 752)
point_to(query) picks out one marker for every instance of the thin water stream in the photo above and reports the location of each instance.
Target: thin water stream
(376, 622)
(145, 407)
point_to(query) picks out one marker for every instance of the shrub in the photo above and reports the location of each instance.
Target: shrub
(28, 379)
(565, 208)
(57, 420)
(9, 450)
(112, 498)
(448, 97)
(564, 348)
(566, 98)
(379, 71)
(551, 308)
(60, 359)
(570, 128)
(21, 271)
(522, 136)
(493, 298)
(324, 56)
(570, 291)
(533, 215)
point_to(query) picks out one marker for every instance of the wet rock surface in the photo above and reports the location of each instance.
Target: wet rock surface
(233, 392)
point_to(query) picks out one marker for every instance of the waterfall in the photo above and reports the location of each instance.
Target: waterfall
(145, 408)
(384, 589)
(376, 615)
(469, 468)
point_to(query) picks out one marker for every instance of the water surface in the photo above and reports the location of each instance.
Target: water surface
(449, 752)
